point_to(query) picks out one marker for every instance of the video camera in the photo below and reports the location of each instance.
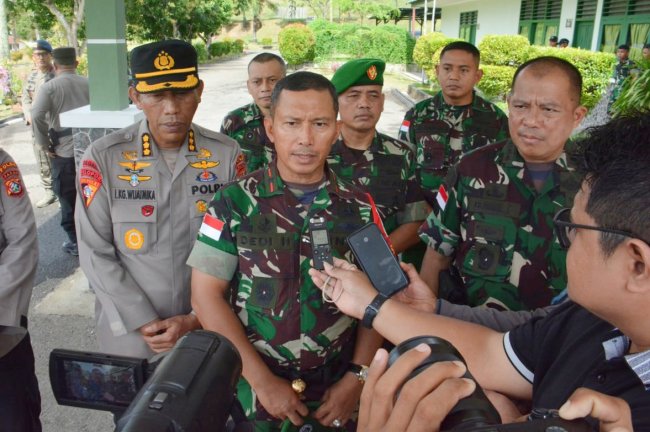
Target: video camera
(192, 389)
(476, 413)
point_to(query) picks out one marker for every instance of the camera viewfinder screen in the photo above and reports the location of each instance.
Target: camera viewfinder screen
(320, 237)
(99, 383)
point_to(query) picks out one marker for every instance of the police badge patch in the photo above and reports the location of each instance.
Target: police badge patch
(11, 179)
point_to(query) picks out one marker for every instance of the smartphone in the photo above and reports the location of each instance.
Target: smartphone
(376, 259)
(320, 242)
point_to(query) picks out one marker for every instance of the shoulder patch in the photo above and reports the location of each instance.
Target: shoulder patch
(10, 176)
(90, 180)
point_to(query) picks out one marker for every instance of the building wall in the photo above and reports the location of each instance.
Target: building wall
(494, 17)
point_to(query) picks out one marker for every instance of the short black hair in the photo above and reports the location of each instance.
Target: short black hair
(646, 45)
(625, 47)
(553, 38)
(303, 81)
(463, 46)
(564, 40)
(266, 57)
(542, 64)
(615, 161)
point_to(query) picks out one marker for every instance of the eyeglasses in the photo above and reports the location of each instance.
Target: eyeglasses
(566, 230)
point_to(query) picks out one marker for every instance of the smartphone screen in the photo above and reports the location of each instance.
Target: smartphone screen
(377, 260)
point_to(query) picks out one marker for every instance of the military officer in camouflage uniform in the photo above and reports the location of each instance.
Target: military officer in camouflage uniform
(20, 400)
(250, 280)
(43, 72)
(246, 124)
(382, 165)
(65, 92)
(493, 215)
(623, 69)
(142, 192)
(454, 121)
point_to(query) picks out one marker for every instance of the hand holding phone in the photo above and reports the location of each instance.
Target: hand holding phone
(377, 260)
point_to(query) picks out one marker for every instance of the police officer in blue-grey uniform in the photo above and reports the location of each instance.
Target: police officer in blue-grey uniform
(142, 192)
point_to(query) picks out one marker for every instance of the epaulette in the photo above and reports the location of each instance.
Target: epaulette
(213, 135)
(112, 139)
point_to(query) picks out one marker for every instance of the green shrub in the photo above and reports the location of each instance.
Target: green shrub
(595, 68)
(496, 81)
(504, 50)
(82, 67)
(425, 49)
(201, 51)
(16, 55)
(267, 41)
(635, 95)
(217, 49)
(297, 43)
(389, 43)
(237, 46)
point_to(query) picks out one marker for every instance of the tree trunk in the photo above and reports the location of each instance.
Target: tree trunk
(4, 44)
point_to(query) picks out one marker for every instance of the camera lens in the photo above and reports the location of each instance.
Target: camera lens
(469, 413)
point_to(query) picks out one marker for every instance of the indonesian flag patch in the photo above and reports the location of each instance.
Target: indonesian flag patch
(405, 126)
(442, 197)
(211, 227)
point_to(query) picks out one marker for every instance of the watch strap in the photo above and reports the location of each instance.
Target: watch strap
(372, 310)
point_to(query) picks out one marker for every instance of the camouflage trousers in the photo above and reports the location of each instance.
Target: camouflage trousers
(44, 167)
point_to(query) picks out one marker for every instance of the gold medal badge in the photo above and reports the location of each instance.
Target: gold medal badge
(372, 72)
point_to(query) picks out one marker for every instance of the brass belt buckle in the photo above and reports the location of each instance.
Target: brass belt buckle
(299, 386)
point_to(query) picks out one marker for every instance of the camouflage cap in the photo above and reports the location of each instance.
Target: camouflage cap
(165, 65)
(359, 72)
(43, 45)
(65, 56)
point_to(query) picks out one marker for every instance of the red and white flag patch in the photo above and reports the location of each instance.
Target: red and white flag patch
(211, 227)
(406, 124)
(442, 197)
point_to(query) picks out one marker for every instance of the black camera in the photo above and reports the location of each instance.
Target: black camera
(192, 389)
(476, 412)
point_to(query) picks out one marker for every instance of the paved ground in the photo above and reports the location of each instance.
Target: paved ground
(62, 305)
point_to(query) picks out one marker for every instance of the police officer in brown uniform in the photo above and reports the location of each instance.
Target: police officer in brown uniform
(42, 72)
(142, 193)
(20, 400)
(65, 92)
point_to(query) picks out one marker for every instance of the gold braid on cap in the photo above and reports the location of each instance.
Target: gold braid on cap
(190, 82)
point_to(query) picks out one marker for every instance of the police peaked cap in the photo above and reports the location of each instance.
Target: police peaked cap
(165, 65)
(359, 72)
(65, 56)
(43, 45)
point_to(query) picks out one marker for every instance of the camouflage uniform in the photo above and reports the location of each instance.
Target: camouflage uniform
(246, 126)
(499, 229)
(264, 248)
(622, 70)
(35, 80)
(387, 171)
(442, 133)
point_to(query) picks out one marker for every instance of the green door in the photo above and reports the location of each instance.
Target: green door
(583, 34)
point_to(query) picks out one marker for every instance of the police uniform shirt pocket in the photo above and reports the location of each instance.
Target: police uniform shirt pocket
(134, 227)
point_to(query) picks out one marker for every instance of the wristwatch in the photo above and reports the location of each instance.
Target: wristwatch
(372, 309)
(361, 371)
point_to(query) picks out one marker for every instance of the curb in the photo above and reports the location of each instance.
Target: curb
(14, 118)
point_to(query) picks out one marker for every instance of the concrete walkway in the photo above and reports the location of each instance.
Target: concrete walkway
(62, 306)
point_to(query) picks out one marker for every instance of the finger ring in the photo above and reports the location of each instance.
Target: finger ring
(337, 423)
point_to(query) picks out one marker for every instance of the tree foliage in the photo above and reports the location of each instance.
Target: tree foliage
(69, 14)
(182, 19)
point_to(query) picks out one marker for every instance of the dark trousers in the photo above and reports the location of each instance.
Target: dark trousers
(63, 183)
(20, 400)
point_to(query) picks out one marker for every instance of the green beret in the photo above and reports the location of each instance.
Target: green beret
(64, 56)
(359, 72)
(165, 65)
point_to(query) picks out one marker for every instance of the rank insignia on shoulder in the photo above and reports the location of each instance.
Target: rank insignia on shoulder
(134, 239)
